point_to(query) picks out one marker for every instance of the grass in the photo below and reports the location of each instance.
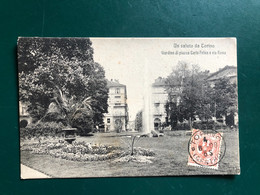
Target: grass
(171, 158)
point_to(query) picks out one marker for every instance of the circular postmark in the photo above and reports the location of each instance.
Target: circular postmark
(206, 148)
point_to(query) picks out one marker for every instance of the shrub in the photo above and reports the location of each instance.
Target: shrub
(82, 151)
(182, 126)
(83, 122)
(23, 123)
(203, 125)
(40, 129)
(53, 116)
(78, 151)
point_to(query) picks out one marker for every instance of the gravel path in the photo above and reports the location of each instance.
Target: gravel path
(28, 173)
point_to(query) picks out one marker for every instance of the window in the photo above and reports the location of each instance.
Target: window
(108, 120)
(167, 120)
(157, 105)
(117, 96)
(23, 110)
(117, 90)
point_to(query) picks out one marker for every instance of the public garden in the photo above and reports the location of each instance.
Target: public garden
(153, 156)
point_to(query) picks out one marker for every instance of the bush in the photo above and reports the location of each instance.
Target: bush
(78, 151)
(53, 117)
(41, 129)
(84, 123)
(203, 125)
(23, 123)
(182, 126)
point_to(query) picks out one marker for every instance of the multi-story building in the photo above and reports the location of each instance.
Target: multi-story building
(159, 99)
(117, 117)
(229, 72)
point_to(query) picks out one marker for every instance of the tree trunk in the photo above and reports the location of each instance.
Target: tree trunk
(190, 123)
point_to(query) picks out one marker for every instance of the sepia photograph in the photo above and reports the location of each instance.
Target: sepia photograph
(127, 107)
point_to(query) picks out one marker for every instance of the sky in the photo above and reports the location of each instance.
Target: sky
(136, 61)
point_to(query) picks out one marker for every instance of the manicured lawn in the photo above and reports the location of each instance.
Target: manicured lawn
(171, 157)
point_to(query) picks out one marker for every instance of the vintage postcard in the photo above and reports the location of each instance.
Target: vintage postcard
(127, 107)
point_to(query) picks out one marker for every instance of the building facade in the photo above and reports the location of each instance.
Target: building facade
(159, 99)
(23, 114)
(229, 72)
(117, 117)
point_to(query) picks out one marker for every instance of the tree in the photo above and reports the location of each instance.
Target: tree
(224, 98)
(99, 93)
(49, 67)
(193, 100)
(191, 96)
(187, 94)
(32, 52)
(139, 121)
(118, 125)
(173, 114)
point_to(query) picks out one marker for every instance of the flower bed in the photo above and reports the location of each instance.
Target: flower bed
(81, 151)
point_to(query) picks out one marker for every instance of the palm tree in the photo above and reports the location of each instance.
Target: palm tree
(67, 109)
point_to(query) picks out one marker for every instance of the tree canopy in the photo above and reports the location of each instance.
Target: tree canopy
(191, 96)
(32, 52)
(139, 121)
(47, 65)
(224, 96)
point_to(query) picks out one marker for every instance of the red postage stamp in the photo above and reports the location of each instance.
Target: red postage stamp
(204, 149)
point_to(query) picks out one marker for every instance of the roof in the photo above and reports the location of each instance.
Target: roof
(159, 82)
(114, 83)
(216, 74)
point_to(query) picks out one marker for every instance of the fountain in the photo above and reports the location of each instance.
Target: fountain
(147, 118)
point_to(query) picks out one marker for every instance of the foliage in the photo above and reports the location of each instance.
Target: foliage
(210, 124)
(70, 112)
(225, 97)
(182, 126)
(191, 97)
(83, 122)
(141, 152)
(82, 151)
(78, 151)
(173, 114)
(139, 121)
(23, 123)
(33, 52)
(41, 129)
(118, 125)
(48, 67)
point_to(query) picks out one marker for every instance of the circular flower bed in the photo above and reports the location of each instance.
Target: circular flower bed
(81, 151)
